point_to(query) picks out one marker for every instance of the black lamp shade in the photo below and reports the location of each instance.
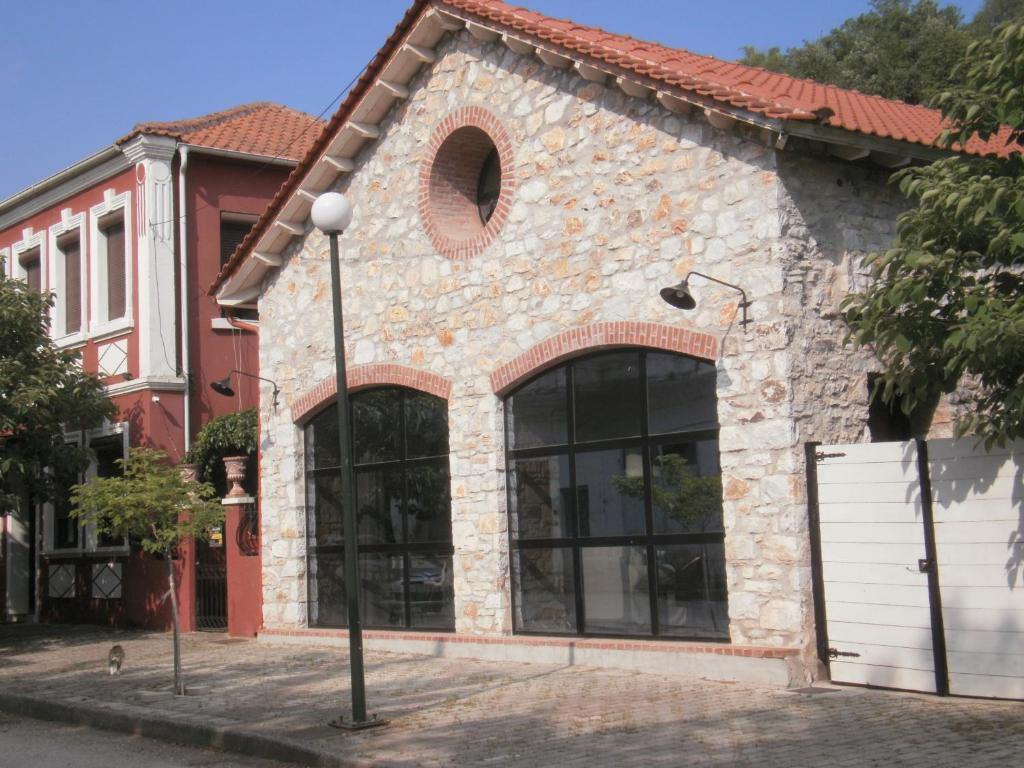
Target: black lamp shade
(679, 296)
(223, 386)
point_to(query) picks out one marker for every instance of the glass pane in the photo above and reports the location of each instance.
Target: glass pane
(536, 414)
(382, 595)
(691, 591)
(322, 447)
(540, 497)
(610, 492)
(545, 590)
(376, 425)
(108, 450)
(687, 487)
(431, 591)
(426, 425)
(379, 501)
(616, 598)
(608, 396)
(680, 394)
(323, 500)
(327, 606)
(428, 505)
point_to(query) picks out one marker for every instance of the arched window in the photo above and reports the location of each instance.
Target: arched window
(400, 450)
(615, 498)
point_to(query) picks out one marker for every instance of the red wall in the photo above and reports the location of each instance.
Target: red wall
(156, 419)
(81, 203)
(218, 186)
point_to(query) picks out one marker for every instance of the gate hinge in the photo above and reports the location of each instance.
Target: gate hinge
(835, 653)
(820, 456)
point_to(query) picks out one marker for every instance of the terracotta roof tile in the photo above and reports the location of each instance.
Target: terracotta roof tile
(750, 88)
(738, 85)
(259, 128)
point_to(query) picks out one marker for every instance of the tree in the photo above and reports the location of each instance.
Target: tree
(994, 13)
(43, 394)
(152, 503)
(899, 49)
(947, 299)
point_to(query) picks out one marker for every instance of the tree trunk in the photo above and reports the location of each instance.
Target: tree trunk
(179, 683)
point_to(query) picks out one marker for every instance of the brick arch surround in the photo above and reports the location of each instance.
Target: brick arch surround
(366, 376)
(591, 338)
(449, 172)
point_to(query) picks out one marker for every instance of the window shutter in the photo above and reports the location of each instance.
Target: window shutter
(72, 286)
(32, 265)
(116, 283)
(231, 234)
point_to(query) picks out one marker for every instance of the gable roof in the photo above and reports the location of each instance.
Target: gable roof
(259, 128)
(780, 102)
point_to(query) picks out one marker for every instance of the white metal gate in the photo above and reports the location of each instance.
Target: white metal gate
(918, 558)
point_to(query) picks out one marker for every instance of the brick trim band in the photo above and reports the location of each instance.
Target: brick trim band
(590, 338)
(366, 376)
(659, 646)
(448, 177)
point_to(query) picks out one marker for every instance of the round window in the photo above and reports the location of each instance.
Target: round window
(467, 183)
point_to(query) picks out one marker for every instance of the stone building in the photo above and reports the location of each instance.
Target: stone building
(547, 453)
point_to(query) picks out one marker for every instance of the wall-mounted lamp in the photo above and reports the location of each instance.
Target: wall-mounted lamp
(679, 296)
(223, 386)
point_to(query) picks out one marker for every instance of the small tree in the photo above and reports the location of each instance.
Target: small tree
(154, 504)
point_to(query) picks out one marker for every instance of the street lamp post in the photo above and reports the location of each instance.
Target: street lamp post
(332, 213)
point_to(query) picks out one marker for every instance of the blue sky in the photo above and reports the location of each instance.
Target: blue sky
(75, 76)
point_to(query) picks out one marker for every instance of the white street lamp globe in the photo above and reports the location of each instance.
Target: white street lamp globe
(332, 213)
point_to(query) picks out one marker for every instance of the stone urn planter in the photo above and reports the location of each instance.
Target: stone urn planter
(234, 468)
(189, 472)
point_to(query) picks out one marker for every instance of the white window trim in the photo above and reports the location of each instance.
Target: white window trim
(101, 325)
(30, 241)
(71, 438)
(90, 535)
(68, 223)
(87, 536)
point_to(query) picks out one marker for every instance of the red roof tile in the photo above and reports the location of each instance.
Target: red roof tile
(260, 128)
(737, 85)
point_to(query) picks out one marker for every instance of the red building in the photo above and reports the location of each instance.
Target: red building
(128, 239)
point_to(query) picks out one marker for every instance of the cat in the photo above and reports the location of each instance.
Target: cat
(116, 659)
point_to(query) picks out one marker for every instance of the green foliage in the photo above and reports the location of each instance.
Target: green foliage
(899, 49)
(234, 434)
(678, 490)
(43, 393)
(947, 299)
(151, 502)
(995, 13)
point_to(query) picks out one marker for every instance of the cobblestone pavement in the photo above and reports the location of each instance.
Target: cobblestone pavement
(459, 712)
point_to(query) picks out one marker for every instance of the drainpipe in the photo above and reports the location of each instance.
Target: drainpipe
(183, 271)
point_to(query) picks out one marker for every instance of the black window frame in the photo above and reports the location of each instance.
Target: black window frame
(404, 548)
(575, 542)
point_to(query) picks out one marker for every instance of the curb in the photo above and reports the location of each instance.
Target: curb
(222, 739)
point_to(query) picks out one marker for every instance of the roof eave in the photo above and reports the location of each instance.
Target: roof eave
(94, 160)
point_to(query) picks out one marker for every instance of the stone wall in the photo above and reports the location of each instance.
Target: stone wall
(616, 198)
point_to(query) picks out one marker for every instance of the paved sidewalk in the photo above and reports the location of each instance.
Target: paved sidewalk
(275, 701)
